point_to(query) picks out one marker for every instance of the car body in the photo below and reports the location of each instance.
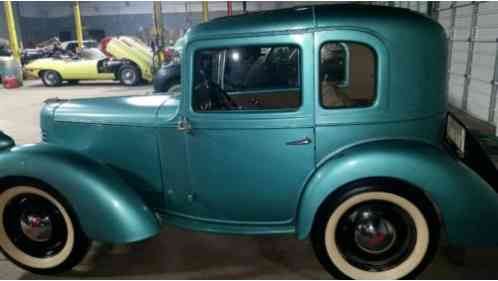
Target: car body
(130, 62)
(364, 161)
(51, 47)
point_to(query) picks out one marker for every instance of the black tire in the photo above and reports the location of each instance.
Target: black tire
(129, 75)
(48, 238)
(73, 82)
(403, 237)
(51, 78)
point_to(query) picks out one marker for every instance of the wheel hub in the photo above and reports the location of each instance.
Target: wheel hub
(129, 76)
(37, 227)
(374, 234)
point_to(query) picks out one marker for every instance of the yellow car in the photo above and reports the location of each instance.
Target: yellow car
(128, 60)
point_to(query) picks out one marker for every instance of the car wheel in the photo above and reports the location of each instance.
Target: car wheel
(129, 75)
(51, 78)
(376, 233)
(38, 232)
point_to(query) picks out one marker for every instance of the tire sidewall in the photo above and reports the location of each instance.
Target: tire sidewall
(136, 72)
(78, 244)
(331, 204)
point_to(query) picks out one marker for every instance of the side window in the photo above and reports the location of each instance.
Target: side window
(347, 75)
(256, 78)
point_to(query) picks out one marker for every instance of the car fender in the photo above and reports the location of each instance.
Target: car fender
(37, 65)
(467, 205)
(165, 74)
(106, 207)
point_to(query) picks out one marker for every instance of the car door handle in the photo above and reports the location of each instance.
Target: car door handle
(304, 141)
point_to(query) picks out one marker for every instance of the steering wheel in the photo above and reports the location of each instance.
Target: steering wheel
(220, 97)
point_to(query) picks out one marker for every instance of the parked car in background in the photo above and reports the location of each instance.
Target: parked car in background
(167, 78)
(319, 126)
(127, 60)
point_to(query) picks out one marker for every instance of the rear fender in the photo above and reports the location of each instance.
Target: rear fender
(468, 205)
(106, 207)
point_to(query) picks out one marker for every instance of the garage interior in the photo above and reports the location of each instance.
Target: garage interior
(472, 30)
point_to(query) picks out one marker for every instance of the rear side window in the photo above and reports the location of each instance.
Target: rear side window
(347, 75)
(256, 78)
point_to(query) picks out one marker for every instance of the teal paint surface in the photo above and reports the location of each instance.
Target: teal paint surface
(106, 207)
(234, 172)
(461, 196)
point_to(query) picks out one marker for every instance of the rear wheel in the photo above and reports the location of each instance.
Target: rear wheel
(38, 232)
(51, 78)
(129, 75)
(376, 233)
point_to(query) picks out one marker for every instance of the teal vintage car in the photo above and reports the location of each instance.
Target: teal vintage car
(327, 122)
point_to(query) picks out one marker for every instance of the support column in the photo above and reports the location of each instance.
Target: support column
(157, 21)
(205, 16)
(77, 24)
(11, 27)
(244, 7)
(229, 8)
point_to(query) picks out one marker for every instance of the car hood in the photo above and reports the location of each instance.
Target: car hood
(129, 110)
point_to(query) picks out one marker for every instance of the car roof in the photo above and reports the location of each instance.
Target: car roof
(413, 48)
(311, 17)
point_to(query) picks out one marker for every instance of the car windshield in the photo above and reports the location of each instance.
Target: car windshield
(90, 44)
(91, 54)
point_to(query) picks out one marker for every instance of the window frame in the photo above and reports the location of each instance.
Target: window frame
(348, 73)
(221, 79)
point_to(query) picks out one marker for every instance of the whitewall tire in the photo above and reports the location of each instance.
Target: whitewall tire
(376, 233)
(37, 232)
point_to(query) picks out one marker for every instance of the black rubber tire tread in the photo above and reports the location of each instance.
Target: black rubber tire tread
(81, 242)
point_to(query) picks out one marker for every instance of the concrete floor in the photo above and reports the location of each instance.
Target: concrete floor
(180, 254)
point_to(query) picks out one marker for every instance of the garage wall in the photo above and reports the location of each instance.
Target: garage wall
(472, 28)
(3, 27)
(42, 20)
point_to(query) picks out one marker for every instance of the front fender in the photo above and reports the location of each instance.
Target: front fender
(106, 207)
(468, 205)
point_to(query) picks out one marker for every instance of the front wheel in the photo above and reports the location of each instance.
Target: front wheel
(38, 232)
(376, 233)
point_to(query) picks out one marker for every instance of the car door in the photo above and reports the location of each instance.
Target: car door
(80, 68)
(251, 146)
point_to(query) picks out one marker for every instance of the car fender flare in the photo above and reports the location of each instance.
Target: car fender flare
(106, 207)
(458, 193)
(165, 74)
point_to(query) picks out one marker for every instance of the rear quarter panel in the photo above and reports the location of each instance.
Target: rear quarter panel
(467, 204)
